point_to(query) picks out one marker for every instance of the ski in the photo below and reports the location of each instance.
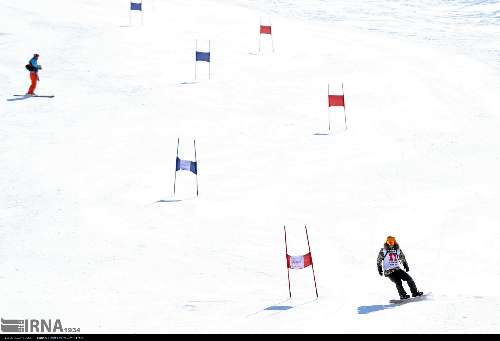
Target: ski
(47, 96)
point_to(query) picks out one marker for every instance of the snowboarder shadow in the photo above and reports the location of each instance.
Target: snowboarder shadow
(366, 309)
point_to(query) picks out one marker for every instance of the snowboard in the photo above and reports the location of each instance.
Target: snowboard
(411, 299)
(47, 96)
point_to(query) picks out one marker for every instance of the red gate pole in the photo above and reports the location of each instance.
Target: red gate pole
(343, 99)
(312, 263)
(272, 40)
(287, 268)
(260, 24)
(328, 108)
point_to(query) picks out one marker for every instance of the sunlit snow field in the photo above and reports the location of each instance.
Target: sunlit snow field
(91, 232)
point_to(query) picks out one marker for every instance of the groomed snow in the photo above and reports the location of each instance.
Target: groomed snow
(91, 233)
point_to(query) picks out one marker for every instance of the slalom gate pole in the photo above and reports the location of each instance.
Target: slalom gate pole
(287, 268)
(194, 142)
(142, 15)
(210, 62)
(312, 262)
(260, 34)
(343, 98)
(176, 157)
(272, 39)
(195, 51)
(328, 97)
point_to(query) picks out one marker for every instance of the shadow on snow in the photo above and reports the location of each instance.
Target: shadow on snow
(366, 309)
(279, 307)
(168, 200)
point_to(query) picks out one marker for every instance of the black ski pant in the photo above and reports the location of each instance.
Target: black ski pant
(397, 277)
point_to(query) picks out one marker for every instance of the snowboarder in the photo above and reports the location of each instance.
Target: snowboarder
(390, 256)
(33, 68)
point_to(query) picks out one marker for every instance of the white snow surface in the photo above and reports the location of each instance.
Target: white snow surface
(92, 234)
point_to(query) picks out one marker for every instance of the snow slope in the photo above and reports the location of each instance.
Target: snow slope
(91, 233)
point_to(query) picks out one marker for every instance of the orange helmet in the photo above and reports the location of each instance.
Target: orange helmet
(391, 240)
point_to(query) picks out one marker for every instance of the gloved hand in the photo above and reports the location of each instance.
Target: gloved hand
(406, 267)
(379, 270)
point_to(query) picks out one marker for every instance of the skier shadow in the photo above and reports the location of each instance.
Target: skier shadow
(321, 134)
(186, 83)
(366, 309)
(18, 98)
